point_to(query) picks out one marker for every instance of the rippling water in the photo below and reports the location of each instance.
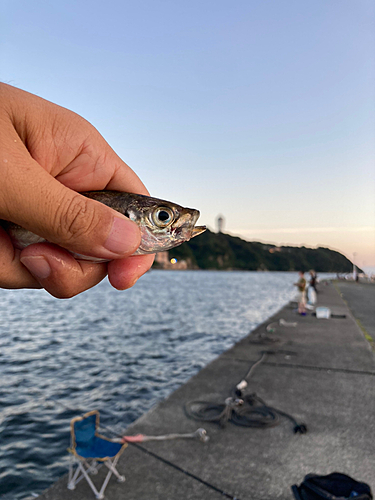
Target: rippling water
(119, 352)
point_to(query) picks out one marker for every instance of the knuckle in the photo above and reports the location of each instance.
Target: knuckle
(64, 286)
(75, 219)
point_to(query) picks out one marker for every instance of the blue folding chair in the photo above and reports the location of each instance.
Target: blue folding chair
(88, 448)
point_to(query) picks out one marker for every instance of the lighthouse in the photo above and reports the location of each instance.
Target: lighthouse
(220, 223)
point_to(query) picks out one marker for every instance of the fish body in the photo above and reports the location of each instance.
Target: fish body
(163, 224)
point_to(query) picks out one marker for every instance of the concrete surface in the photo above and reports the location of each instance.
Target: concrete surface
(360, 298)
(322, 372)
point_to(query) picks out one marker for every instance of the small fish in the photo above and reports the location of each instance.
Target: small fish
(163, 225)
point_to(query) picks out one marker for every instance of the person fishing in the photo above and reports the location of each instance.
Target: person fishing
(301, 285)
(313, 280)
(48, 155)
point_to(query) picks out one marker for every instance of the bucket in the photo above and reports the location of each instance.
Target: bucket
(323, 312)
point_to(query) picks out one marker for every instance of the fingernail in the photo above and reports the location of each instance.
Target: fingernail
(38, 266)
(123, 237)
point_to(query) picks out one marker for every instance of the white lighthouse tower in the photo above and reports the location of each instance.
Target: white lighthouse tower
(220, 223)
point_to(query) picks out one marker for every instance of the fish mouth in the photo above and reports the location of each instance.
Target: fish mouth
(197, 230)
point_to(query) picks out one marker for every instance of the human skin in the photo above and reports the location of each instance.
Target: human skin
(48, 155)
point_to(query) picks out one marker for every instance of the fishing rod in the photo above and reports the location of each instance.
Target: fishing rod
(200, 434)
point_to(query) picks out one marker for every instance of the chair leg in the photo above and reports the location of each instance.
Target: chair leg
(112, 470)
(98, 494)
(71, 484)
(112, 466)
(104, 485)
(92, 468)
(73, 478)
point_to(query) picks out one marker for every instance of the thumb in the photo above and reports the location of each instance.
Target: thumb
(35, 200)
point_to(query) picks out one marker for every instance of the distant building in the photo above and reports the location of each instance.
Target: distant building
(220, 223)
(162, 258)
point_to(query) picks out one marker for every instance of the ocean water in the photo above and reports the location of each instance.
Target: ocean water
(119, 352)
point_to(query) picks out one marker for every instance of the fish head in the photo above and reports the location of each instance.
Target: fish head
(163, 224)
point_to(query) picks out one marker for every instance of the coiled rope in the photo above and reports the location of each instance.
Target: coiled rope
(244, 409)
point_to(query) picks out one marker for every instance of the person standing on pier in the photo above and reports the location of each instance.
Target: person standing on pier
(301, 285)
(313, 280)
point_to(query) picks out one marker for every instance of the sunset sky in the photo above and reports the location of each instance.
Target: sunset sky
(263, 112)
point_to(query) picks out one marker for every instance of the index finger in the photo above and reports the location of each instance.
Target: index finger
(125, 179)
(98, 167)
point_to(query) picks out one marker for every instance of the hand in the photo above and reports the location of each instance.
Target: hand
(48, 155)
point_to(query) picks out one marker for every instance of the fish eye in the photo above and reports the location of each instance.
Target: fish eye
(163, 216)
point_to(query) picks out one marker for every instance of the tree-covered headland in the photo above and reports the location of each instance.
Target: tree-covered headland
(222, 251)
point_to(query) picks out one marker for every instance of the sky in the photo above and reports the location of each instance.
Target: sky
(262, 112)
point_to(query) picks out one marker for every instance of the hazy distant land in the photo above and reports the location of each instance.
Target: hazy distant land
(222, 251)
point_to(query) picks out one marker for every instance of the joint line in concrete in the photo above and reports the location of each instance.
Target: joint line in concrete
(310, 367)
(322, 368)
(187, 473)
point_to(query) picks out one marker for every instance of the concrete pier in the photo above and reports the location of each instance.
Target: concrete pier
(321, 371)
